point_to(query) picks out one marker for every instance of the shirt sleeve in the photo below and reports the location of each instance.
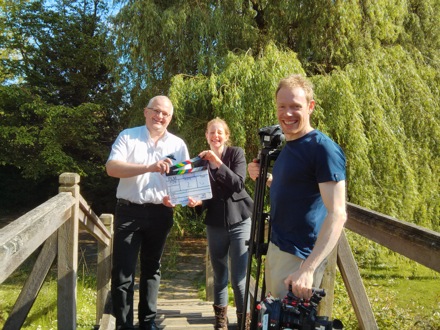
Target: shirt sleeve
(119, 148)
(331, 162)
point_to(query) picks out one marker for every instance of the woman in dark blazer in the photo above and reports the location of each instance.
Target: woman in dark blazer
(228, 219)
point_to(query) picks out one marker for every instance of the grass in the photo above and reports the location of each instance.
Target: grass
(403, 294)
(43, 314)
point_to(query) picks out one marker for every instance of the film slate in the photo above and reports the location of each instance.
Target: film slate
(183, 182)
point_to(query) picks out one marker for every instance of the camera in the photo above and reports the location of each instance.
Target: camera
(271, 136)
(294, 313)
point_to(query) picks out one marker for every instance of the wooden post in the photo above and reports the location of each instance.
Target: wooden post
(68, 257)
(104, 269)
(355, 288)
(325, 307)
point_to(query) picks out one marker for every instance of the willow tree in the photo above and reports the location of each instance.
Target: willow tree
(372, 110)
(375, 65)
(387, 121)
(158, 39)
(241, 92)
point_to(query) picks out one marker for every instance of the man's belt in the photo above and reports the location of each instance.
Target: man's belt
(125, 202)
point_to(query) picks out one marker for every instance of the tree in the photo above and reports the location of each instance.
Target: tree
(224, 58)
(159, 39)
(373, 111)
(62, 104)
(65, 52)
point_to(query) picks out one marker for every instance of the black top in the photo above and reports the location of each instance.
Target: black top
(230, 203)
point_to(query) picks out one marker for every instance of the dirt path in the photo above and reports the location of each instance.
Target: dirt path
(182, 280)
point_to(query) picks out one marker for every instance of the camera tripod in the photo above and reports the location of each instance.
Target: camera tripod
(257, 244)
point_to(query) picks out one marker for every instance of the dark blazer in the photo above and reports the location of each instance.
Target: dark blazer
(230, 203)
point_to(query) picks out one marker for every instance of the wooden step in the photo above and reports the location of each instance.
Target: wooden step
(188, 314)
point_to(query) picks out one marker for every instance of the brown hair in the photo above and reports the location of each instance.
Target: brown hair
(297, 80)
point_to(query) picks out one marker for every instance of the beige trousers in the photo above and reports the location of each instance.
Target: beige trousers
(279, 265)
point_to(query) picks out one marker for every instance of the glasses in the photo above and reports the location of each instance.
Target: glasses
(158, 113)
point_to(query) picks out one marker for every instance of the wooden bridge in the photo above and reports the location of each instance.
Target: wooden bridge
(54, 226)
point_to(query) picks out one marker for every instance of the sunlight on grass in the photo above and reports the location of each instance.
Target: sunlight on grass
(43, 314)
(404, 295)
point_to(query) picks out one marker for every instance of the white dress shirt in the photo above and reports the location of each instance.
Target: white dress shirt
(134, 145)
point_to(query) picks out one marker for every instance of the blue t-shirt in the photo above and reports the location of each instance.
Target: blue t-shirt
(297, 210)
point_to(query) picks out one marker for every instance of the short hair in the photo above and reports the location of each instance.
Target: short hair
(160, 96)
(297, 80)
(218, 120)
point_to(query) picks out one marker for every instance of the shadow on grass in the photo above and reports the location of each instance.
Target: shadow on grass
(33, 317)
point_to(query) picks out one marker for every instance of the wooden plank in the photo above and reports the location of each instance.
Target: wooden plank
(93, 229)
(33, 285)
(108, 321)
(415, 242)
(92, 223)
(355, 288)
(103, 278)
(22, 237)
(189, 314)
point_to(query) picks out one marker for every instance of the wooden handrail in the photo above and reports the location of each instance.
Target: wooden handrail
(55, 225)
(22, 237)
(415, 242)
(93, 223)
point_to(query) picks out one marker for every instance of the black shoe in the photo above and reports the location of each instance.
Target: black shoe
(149, 326)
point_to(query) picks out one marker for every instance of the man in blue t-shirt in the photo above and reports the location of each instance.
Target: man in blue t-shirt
(307, 195)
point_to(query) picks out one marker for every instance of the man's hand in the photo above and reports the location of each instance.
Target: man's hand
(301, 282)
(162, 166)
(254, 169)
(167, 201)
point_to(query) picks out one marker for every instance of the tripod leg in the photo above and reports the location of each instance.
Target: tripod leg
(256, 242)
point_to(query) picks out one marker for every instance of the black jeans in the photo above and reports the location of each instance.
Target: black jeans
(145, 228)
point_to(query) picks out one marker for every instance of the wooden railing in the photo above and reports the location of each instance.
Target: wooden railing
(417, 243)
(54, 225)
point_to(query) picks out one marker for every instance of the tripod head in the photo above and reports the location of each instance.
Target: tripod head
(271, 137)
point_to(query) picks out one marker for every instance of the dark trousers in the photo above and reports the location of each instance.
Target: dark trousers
(141, 228)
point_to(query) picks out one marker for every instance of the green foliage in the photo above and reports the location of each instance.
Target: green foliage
(187, 222)
(375, 65)
(158, 39)
(387, 122)
(372, 110)
(46, 140)
(60, 110)
(43, 314)
(65, 52)
(402, 293)
(241, 93)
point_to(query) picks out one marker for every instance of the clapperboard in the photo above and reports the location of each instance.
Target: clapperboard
(183, 183)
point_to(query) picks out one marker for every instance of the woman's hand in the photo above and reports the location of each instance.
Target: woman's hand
(193, 203)
(210, 156)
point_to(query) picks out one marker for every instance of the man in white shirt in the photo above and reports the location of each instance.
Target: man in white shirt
(140, 157)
